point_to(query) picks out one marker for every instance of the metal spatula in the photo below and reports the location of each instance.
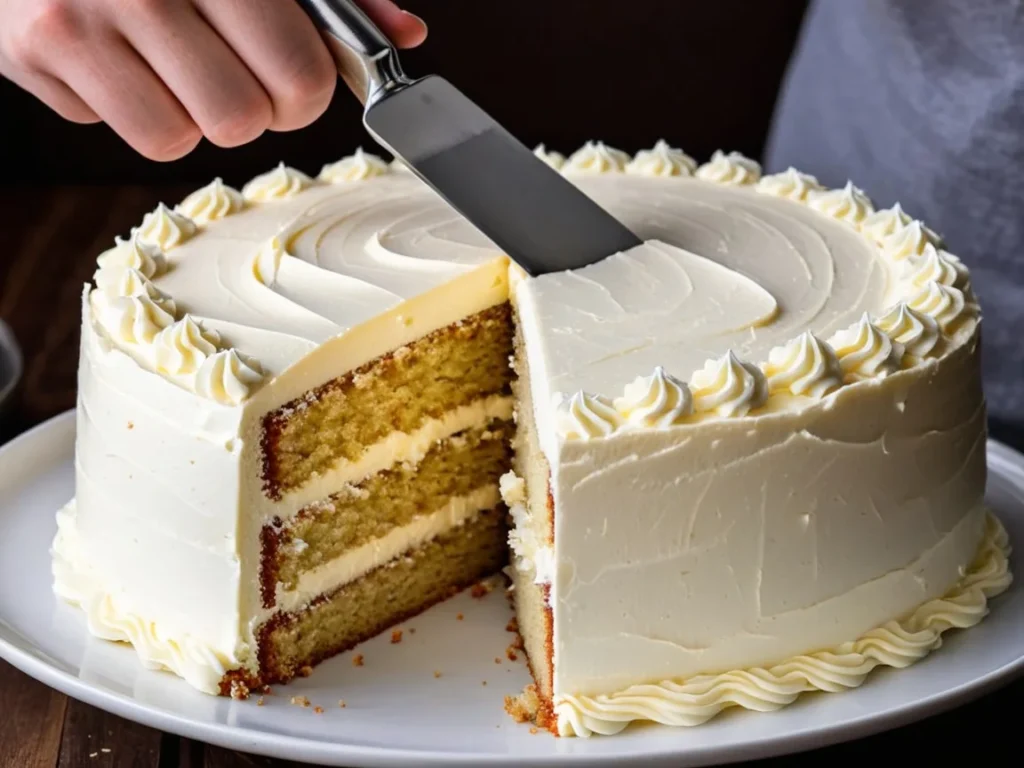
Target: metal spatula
(543, 222)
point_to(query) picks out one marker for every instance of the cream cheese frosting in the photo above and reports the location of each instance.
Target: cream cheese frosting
(768, 347)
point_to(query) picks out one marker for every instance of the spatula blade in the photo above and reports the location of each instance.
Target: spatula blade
(538, 218)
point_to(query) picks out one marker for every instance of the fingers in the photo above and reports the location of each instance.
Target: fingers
(52, 92)
(283, 49)
(404, 29)
(211, 82)
(121, 88)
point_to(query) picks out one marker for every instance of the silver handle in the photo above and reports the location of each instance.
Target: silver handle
(366, 59)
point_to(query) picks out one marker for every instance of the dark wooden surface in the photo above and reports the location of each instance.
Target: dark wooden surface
(49, 238)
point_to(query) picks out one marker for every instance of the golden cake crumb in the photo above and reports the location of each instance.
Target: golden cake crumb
(357, 660)
(459, 616)
(305, 671)
(266, 689)
(131, 425)
(524, 707)
(437, 673)
(259, 702)
(239, 690)
(513, 625)
(300, 701)
(510, 652)
(480, 590)
(497, 660)
(341, 704)
(396, 636)
(318, 710)
(534, 730)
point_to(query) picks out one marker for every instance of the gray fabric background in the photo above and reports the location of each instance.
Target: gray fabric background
(922, 102)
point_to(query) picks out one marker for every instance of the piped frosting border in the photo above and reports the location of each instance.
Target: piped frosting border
(898, 643)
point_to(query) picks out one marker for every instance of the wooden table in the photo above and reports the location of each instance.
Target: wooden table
(49, 239)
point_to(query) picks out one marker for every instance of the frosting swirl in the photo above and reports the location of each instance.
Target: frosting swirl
(267, 260)
(918, 333)
(880, 224)
(182, 347)
(133, 319)
(228, 377)
(804, 366)
(145, 258)
(732, 168)
(282, 182)
(127, 281)
(662, 160)
(659, 400)
(791, 184)
(165, 228)
(947, 305)
(727, 386)
(906, 242)
(585, 416)
(555, 159)
(936, 265)
(212, 202)
(356, 167)
(849, 204)
(865, 352)
(596, 157)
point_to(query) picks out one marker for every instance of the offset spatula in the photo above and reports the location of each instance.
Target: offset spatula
(543, 222)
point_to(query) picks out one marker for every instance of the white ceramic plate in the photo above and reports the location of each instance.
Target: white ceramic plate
(397, 712)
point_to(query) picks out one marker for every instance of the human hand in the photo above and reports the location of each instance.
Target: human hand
(165, 73)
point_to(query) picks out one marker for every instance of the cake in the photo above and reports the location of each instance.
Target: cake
(741, 461)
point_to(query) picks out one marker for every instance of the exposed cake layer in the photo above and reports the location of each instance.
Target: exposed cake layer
(450, 367)
(365, 512)
(403, 587)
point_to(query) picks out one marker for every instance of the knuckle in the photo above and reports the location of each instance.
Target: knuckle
(170, 145)
(240, 125)
(306, 91)
(49, 25)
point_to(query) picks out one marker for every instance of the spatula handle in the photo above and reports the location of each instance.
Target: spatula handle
(366, 59)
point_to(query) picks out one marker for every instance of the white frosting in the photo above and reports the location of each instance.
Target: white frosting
(898, 643)
(662, 160)
(318, 279)
(791, 184)
(165, 228)
(280, 183)
(917, 333)
(732, 168)
(584, 417)
(555, 159)
(849, 204)
(596, 157)
(212, 202)
(728, 386)
(866, 352)
(659, 401)
(804, 366)
(356, 167)
(935, 265)
(145, 258)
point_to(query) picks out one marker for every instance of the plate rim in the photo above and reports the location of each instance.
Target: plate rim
(24, 656)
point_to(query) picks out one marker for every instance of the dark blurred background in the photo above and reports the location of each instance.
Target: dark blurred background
(702, 75)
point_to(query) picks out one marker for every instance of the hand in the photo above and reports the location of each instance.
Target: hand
(165, 73)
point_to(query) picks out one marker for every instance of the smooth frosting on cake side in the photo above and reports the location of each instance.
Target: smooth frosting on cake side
(766, 421)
